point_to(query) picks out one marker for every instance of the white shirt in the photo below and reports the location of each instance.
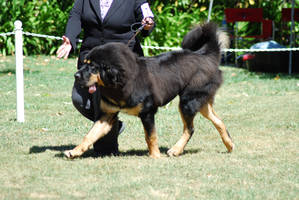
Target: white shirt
(105, 5)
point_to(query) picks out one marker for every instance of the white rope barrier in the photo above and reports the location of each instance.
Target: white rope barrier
(45, 36)
(226, 50)
(260, 50)
(18, 32)
(42, 36)
(162, 48)
(157, 47)
(7, 34)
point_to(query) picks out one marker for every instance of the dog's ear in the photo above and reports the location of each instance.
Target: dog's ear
(112, 77)
(113, 74)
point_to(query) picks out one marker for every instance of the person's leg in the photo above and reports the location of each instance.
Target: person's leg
(108, 144)
(88, 105)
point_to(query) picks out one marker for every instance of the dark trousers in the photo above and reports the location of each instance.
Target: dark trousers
(88, 105)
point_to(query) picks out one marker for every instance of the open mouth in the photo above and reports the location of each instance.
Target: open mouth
(92, 88)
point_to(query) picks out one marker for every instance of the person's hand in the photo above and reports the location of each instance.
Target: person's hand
(65, 49)
(149, 23)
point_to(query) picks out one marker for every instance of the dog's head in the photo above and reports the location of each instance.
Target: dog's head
(106, 66)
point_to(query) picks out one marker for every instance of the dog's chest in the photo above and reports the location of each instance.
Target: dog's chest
(112, 107)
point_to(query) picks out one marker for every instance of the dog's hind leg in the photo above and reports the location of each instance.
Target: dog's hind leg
(151, 136)
(208, 112)
(178, 148)
(99, 129)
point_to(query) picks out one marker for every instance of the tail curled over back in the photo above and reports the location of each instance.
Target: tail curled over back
(206, 39)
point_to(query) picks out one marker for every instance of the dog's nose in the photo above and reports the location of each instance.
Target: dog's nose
(77, 76)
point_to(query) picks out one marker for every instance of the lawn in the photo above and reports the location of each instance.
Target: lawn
(260, 110)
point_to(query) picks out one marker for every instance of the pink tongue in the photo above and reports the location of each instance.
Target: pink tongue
(92, 89)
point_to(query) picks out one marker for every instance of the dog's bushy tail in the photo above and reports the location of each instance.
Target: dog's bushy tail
(206, 39)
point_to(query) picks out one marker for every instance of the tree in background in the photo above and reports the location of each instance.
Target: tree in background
(174, 18)
(37, 16)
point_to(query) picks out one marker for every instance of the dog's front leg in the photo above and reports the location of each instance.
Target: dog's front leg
(151, 136)
(99, 129)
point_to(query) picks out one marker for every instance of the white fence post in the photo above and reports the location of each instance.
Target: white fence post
(19, 70)
(210, 10)
(291, 37)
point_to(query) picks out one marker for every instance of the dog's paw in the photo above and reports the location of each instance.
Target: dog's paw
(231, 148)
(155, 155)
(174, 152)
(71, 154)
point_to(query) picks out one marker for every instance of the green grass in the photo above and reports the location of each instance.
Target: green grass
(260, 110)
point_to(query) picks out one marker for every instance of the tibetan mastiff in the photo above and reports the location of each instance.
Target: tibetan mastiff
(139, 85)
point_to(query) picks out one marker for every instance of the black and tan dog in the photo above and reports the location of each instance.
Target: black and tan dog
(139, 85)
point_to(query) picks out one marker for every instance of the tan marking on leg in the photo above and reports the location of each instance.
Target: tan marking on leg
(152, 143)
(208, 112)
(178, 148)
(108, 108)
(133, 111)
(99, 129)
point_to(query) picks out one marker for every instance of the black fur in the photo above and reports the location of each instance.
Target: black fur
(193, 75)
(129, 80)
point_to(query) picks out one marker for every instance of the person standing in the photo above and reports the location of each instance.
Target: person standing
(102, 21)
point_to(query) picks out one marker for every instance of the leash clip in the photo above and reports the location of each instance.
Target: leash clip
(136, 32)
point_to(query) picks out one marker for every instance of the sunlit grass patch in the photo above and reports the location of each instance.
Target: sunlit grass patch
(260, 110)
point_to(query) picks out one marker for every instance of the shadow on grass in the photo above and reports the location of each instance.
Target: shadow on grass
(91, 154)
(13, 71)
(41, 149)
(7, 71)
(163, 150)
(61, 149)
